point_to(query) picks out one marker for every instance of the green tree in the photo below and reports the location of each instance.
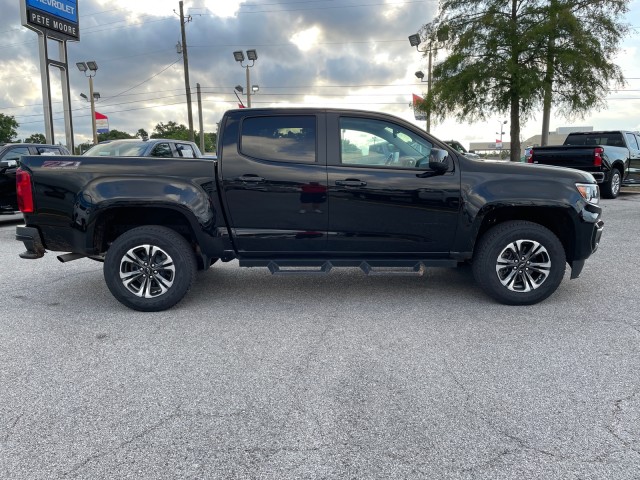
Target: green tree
(171, 130)
(499, 54)
(36, 138)
(210, 140)
(113, 135)
(8, 126)
(142, 133)
(575, 52)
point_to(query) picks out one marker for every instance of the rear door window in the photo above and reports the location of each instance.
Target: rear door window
(282, 138)
(49, 151)
(185, 150)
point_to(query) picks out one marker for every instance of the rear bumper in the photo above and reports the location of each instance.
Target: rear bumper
(32, 241)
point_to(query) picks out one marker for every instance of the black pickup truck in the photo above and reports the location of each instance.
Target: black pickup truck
(306, 190)
(612, 157)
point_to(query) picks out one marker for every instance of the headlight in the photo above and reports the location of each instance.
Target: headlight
(589, 191)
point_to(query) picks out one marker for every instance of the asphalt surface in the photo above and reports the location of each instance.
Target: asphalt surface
(337, 377)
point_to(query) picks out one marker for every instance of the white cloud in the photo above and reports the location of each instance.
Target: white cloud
(305, 40)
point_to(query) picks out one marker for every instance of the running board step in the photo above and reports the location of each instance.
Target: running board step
(369, 267)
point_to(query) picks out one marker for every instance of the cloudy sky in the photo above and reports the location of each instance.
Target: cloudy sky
(352, 53)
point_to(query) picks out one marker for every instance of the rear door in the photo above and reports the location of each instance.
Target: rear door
(383, 198)
(274, 180)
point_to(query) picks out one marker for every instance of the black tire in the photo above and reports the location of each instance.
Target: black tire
(130, 274)
(519, 263)
(611, 188)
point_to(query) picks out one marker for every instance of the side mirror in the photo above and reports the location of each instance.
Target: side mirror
(472, 151)
(438, 160)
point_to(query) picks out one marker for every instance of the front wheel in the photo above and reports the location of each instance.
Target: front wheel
(149, 268)
(519, 263)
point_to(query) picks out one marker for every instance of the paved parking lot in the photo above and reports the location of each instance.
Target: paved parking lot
(343, 376)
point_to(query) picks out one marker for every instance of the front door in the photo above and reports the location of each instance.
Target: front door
(383, 198)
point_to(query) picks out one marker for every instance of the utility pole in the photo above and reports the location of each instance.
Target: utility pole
(185, 58)
(200, 117)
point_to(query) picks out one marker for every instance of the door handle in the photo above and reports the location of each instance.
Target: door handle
(251, 178)
(351, 182)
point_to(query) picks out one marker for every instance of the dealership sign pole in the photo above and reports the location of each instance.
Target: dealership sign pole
(55, 20)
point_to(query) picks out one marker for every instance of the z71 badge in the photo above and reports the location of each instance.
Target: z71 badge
(60, 164)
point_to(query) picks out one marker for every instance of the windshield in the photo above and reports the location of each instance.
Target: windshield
(118, 149)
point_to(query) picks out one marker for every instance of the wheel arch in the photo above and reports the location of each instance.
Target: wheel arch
(112, 222)
(557, 220)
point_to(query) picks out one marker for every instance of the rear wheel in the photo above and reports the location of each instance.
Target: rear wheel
(519, 263)
(149, 268)
(611, 188)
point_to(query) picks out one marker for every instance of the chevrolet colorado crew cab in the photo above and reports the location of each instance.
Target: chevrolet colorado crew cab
(612, 157)
(303, 191)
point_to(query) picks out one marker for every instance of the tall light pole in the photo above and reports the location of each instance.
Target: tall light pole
(502, 123)
(185, 58)
(415, 41)
(92, 68)
(239, 57)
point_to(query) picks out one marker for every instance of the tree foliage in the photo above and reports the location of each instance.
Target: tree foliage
(502, 55)
(36, 138)
(8, 126)
(171, 130)
(113, 135)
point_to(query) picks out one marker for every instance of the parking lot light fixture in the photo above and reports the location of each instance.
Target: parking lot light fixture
(252, 55)
(90, 69)
(415, 41)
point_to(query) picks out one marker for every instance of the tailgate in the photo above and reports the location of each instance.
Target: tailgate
(569, 156)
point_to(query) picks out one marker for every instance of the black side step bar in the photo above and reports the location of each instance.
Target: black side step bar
(369, 267)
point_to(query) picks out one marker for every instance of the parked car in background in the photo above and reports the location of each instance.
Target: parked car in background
(612, 157)
(155, 147)
(10, 154)
(458, 147)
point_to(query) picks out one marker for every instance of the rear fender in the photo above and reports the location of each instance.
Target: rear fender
(103, 193)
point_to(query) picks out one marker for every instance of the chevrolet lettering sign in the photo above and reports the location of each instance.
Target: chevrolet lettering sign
(57, 18)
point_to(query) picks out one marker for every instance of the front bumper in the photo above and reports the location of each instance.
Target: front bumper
(594, 242)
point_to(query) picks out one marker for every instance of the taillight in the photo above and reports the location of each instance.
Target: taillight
(597, 156)
(23, 191)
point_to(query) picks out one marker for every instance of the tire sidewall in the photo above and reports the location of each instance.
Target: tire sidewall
(615, 186)
(608, 189)
(493, 243)
(169, 241)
